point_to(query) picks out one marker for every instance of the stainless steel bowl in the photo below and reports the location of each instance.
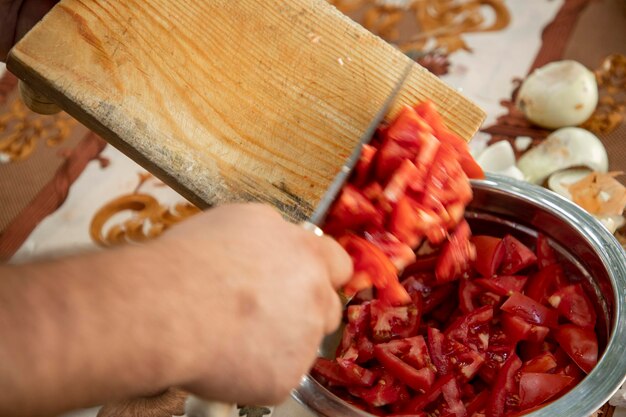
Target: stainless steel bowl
(592, 254)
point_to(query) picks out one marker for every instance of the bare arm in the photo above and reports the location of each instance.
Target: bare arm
(232, 292)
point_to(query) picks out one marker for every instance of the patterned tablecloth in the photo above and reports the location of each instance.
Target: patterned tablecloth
(62, 189)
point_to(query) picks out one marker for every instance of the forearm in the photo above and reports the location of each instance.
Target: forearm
(80, 331)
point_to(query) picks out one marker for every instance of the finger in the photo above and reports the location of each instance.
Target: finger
(337, 260)
(334, 312)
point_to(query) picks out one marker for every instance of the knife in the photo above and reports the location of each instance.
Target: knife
(197, 407)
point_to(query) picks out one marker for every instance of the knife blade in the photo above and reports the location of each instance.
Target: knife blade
(319, 214)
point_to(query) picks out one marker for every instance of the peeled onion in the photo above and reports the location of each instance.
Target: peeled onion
(499, 158)
(559, 94)
(565, 148)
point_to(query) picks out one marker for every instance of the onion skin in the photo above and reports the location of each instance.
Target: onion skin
(559, 94)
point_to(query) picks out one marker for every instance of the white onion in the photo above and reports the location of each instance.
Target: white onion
(565, 148)
(559, 94)
(499, 158)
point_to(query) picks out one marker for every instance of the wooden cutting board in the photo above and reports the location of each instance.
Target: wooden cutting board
(226, 100)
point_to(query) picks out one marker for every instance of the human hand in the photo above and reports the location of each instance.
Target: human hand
(269, 287)
(17, 17)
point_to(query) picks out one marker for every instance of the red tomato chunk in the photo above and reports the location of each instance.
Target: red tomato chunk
(443, 323)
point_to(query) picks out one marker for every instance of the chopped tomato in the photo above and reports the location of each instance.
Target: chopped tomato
(398, 253)
(456, 255)
(386, 391)
(362, 170)
(572, 303)
(436, 342)
(420, 402)
(489, 254)
(401, 142)
(503, 284)
(504, 387)
(545, 362)
(371, 266)
(428, 111)
(418, 379)
(580, 344)
(517, 328)
(542, 284)
(469, 292)
(352, 211)
(355, 374)
(495, 357)
(407, 173)
(517, 256)
(530, 310)
(391, 322)
(452, 397)
(472, 329)
(495, 297)
(537, 388)
(330, 371)
(545, 253)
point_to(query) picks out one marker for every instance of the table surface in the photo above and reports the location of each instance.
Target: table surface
(484, 73)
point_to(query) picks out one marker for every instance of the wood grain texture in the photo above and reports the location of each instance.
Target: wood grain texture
(226, 100)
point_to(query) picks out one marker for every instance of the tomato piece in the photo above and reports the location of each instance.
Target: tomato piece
(401, 142)
(407, 173)
(452, 397)
(467, 361)
(530, 310)
(516, 329)
(436, 341)
(545, 254)
(363, 168)
(330, 371)
(580, 344)
(357, 327)
(418, 379)
(373, 267)
(352, 211)
(478, 402)
(410, 221)
(542, 284)
(398, 253)
(469, 292)
(517, 256)
(355, 374)
(456, 254)
(417, 355)
(428, 112)
(386, 391)
(389, 322)
(572, 303)
(495, 357)
(537, 388)
(420, 402)
(472, 329)
(545, 362)
(504, 387)
(503, 284)
(489, 254)
(422, 264)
